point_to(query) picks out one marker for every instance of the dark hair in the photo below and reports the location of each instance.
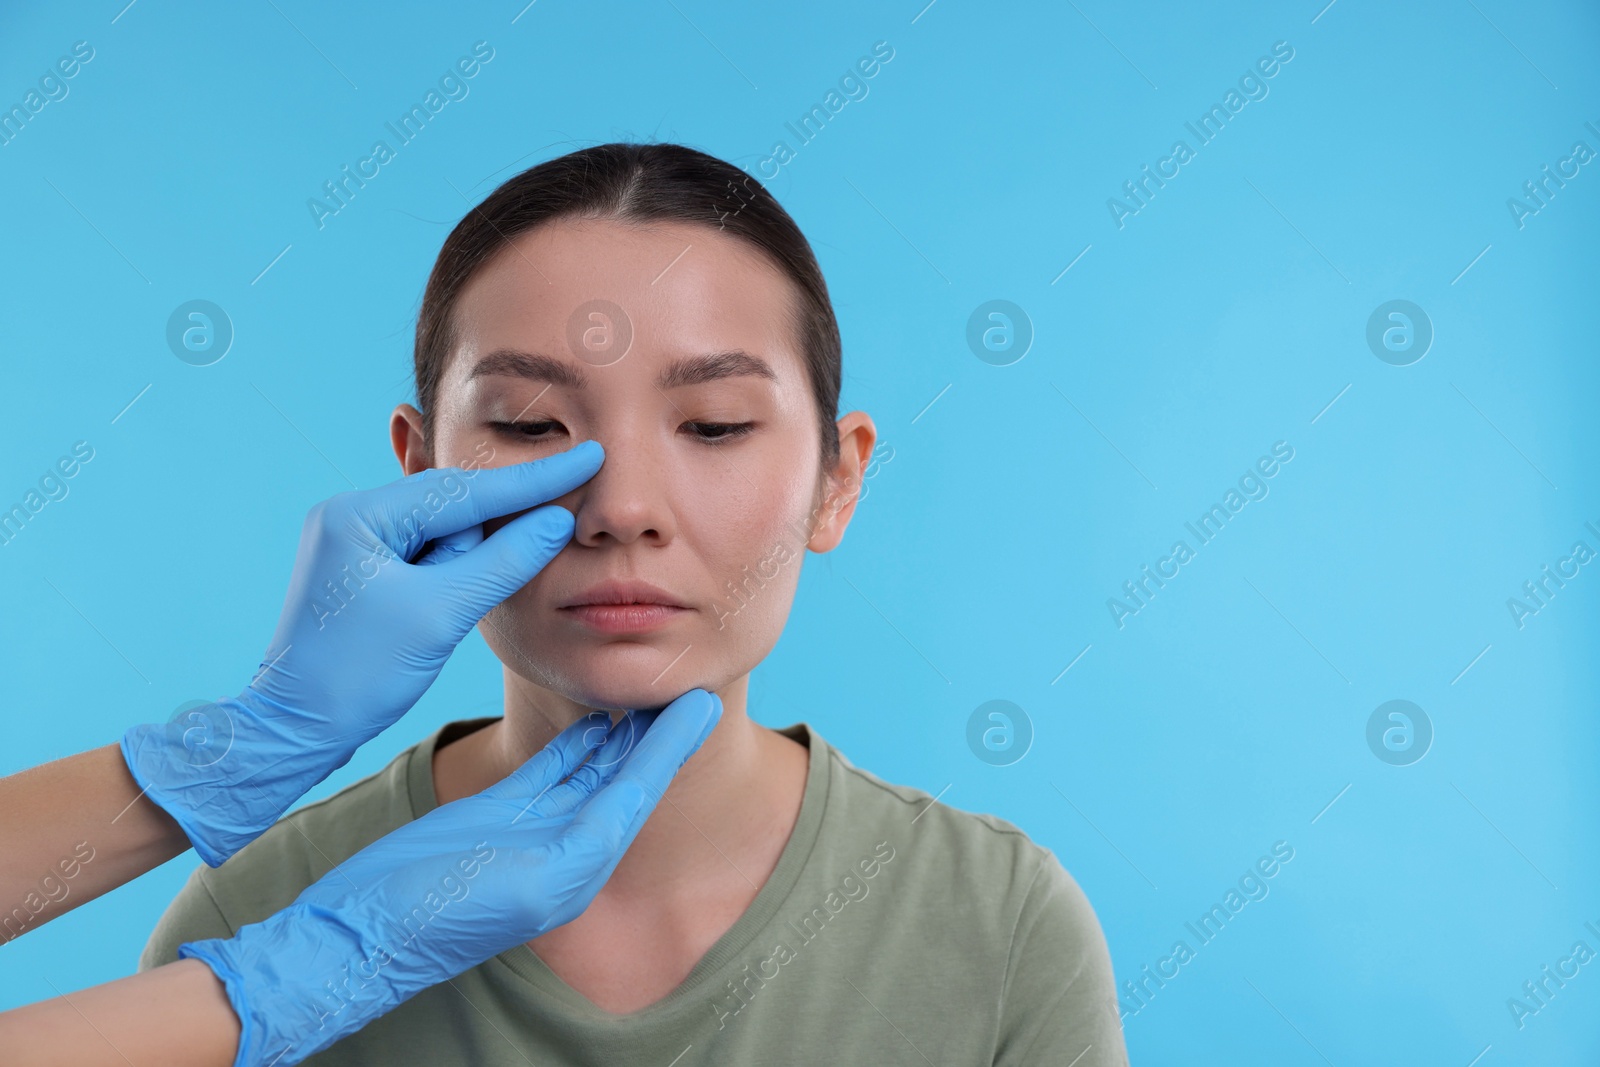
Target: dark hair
(633, 183)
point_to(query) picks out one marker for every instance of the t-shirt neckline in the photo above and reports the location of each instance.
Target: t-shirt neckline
(526, 965)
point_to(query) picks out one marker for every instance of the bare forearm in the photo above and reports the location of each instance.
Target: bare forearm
(71, 830)
(177, 1015)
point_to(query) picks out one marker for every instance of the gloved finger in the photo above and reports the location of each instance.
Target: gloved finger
(645, 810)
(600, 846)
(509, 558)
(606, 826)
(600, 836)
(676, 734)
(601, 766)
(620, 808)
(453, 545)
(554, 761)
(402, 511)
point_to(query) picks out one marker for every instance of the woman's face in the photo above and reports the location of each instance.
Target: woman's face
(712, 486)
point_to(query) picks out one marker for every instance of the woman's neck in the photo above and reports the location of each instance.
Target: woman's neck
(740, 792)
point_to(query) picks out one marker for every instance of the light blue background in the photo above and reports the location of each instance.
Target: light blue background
(1222, 318)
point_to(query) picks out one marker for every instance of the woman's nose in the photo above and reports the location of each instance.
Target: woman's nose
(627, 500)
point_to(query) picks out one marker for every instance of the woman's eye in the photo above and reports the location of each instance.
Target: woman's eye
(711, 433)
(716, 433)
(525, 429)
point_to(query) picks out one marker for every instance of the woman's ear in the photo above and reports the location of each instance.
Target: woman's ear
(405, 434)
(857, 435)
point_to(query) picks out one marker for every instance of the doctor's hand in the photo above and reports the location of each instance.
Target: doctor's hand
(448, 891)
(386, 583)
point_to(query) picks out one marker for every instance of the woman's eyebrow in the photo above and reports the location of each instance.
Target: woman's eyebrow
(690, 370)
(693, 370)
(532, 365)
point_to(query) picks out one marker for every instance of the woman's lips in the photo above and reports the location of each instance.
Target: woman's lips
(625, 618)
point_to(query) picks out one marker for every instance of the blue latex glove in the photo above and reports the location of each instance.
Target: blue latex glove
(465, 882)
(365, 629)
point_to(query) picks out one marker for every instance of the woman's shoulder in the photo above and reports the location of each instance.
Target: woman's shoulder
(894, 804)
(986, 863)
(972, 886)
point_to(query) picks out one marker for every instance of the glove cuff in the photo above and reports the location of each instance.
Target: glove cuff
(228, 770)
(299, 980)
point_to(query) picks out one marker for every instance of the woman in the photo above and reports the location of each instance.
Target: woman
(781, 905)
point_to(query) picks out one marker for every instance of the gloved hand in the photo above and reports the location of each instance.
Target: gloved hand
(365, 629)
(465, 882)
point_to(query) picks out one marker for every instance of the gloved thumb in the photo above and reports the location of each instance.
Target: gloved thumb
(508, 559)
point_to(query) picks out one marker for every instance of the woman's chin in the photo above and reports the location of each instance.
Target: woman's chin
(621, 678)
(615, 697)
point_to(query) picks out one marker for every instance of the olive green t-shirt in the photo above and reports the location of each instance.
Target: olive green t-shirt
(894, 930)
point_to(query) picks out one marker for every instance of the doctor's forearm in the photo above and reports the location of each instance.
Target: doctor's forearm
(176, 1015)
(71, 830)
